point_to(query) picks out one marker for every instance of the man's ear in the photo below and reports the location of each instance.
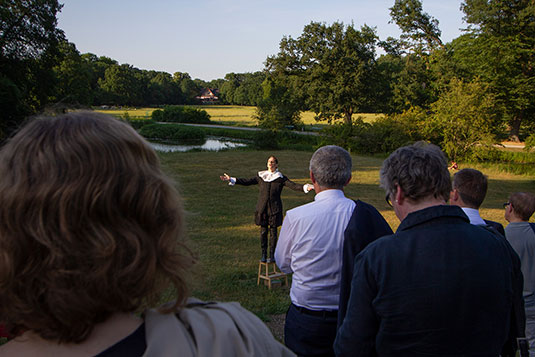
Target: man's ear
(454, 195)
(312, 178)
(399, 196)
(348, 181)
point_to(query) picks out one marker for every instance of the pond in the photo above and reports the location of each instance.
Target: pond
(211, 144)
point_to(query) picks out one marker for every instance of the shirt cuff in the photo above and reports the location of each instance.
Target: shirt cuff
(232, 181)
(307, 187)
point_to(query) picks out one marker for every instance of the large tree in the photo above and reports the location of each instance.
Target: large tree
(500, 50)
(331, 66)
(28, 42)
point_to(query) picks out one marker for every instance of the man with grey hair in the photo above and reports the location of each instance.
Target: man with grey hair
(439, 285)
(312, 246)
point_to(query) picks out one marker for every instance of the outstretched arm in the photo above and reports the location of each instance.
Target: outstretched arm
(297, 187)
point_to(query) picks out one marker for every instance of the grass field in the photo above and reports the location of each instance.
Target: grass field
(233, 115)
(220, 217)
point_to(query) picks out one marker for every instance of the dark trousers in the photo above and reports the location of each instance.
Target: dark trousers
(310, 335)
(264, 239)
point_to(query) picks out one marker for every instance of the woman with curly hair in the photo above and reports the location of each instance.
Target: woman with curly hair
(91, 232)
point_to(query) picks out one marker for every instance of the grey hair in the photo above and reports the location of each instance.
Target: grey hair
(420, 170)
(331, 166)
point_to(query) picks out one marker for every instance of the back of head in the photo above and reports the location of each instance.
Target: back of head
(331, 166)
(420, 170)
(89, 226)
(523, 204)
(472, 187)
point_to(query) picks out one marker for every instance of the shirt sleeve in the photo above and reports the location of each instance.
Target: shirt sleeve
(360, 326)
(283, 251)
(232, 181)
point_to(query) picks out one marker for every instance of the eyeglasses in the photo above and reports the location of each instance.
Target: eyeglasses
(387, 199)
(506, 204)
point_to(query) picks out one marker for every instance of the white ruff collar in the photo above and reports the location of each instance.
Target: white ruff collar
(269, 176)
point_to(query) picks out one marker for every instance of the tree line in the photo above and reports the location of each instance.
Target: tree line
(469, 91)
(482, 82)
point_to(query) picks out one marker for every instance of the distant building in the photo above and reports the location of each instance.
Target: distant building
(208, 95)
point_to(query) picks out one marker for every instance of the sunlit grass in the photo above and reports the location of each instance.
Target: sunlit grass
(234, 115)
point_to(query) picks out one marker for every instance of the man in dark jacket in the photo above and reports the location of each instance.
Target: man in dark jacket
(439, 285)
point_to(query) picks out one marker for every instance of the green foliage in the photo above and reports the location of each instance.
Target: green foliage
(172, 132)
(242, 88)
(529, 143)
(279, 108)
(28, 47)
(181, 114)
(521, 163)
(463, 118)
(331, 67)
(284, 139)
(266, 140)
(416, 25)
(382, 136)
(139, 123)
(73, 77)
(500, 49)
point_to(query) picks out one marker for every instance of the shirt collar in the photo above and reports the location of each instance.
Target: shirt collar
(429, 213)
(269, 176)
(327, 194)
(473, 215)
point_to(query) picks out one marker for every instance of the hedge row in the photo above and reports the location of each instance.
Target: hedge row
(172, 132)
(180, 114)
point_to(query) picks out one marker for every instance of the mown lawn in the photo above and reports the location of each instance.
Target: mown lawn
(220, 217)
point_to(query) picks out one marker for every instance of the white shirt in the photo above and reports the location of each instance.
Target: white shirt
(473, 216)
(310, 246)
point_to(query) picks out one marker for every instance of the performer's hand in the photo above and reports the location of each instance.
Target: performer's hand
(225, 177)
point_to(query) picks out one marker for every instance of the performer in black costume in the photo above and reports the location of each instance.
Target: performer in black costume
(268, 213)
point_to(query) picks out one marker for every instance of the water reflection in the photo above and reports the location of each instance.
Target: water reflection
(210, 144)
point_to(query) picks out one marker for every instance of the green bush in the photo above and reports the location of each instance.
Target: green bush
(266, 140)
(383, 136)
(181, 114)
(157, 115)
(529, 143)
(139, 123)
(172, 132)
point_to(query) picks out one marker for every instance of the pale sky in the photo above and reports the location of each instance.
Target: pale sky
(211, 38)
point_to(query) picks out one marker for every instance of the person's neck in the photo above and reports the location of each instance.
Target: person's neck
(319, 188)
(413, 207)
(514, 219)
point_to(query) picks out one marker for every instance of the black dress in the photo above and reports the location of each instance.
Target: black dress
(269, 206)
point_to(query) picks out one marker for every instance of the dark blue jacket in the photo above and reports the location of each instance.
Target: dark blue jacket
(439, 286)
(365, 226)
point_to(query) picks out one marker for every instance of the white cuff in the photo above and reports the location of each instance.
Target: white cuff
(232, 181)
(307, 187)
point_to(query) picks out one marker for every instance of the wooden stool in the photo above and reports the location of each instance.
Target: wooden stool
(269, 273)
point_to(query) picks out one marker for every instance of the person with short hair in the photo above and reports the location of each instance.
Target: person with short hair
(439, 285)
(91, 232)
(468, 192)
(521, 234)
(314, 247)
(269, 212)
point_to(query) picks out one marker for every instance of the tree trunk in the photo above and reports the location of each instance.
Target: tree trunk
(515, 129)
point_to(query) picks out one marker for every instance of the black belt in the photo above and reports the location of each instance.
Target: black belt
(320, 313)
